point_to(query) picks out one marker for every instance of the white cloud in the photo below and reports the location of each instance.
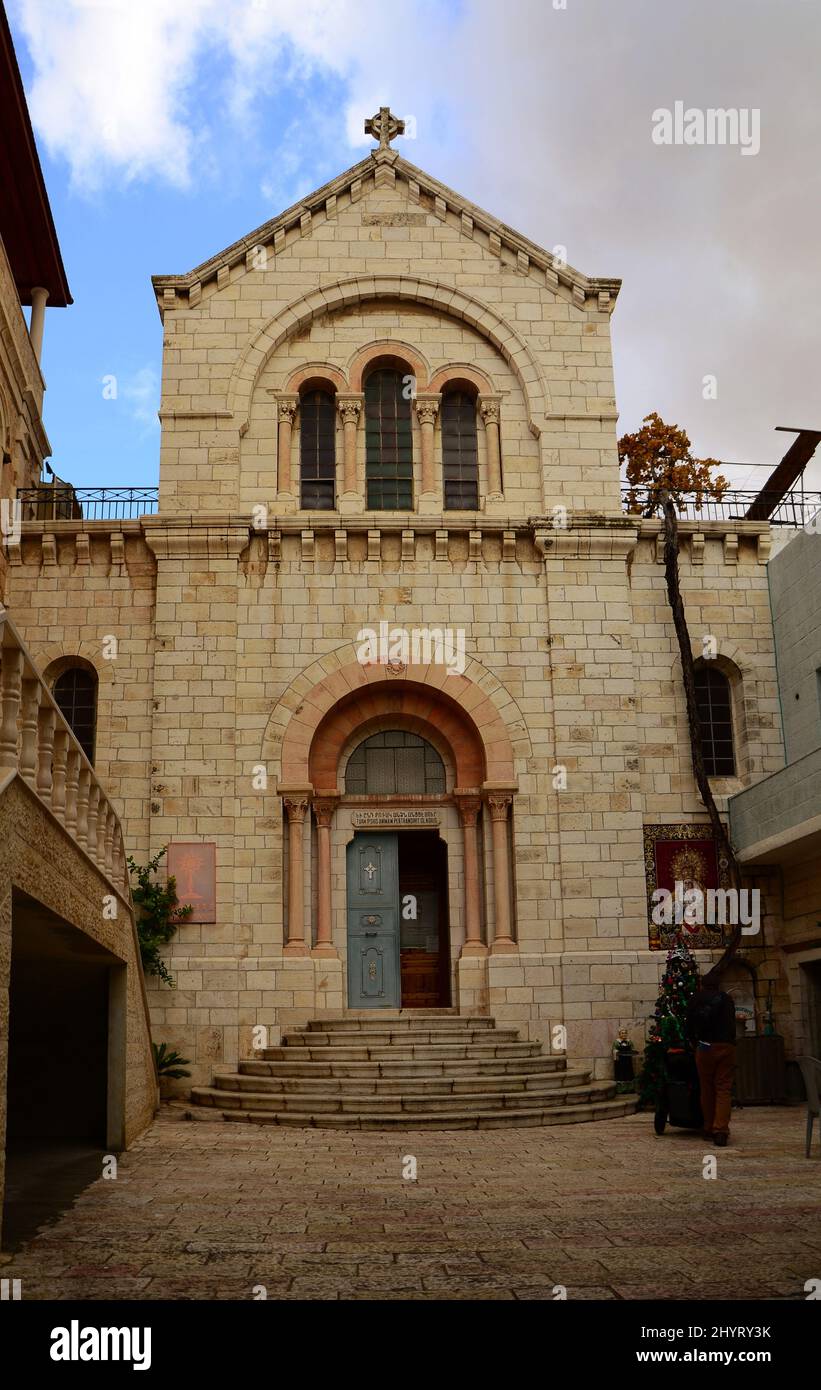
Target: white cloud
(541, 115)
(142, 394)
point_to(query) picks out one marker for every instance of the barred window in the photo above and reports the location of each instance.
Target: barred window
(460, 452)
(715, 713)
(388, 443)
(75, 691)
(393, 762)
(317, 451)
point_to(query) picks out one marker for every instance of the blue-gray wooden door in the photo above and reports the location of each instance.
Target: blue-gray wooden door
(373, 922)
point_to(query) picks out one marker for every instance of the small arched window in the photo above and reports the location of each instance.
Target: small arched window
(388, 442)
(460, 452)
(317, 451)
(395, 762)
(75, 691)
(714, 699)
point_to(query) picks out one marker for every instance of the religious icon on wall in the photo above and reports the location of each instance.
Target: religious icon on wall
(686, 888)
(194, 866)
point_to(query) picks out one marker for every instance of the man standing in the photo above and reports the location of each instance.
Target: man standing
(711, 1026)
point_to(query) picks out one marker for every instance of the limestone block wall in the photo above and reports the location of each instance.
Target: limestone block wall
(23, 441)
(381, 252)
(74, 588)
(568, 632)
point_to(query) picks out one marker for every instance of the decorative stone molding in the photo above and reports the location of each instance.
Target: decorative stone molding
(490, 411)
(504, 335)
(697, 548)
(730, 548)
(350, 409)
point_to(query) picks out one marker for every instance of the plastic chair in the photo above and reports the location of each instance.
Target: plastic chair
(811, 1072)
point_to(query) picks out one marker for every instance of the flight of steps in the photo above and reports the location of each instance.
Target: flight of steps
(418, 1069)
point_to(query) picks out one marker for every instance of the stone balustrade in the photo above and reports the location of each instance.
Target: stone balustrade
(37, 742)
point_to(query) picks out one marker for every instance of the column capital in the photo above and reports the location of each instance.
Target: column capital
(324, 807)
(427, 408)
(498, 803)
(469, 806)
(287, 408)
(490, 409)
(349, 404)
(296, 807)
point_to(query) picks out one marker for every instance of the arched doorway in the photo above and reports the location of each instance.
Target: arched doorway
(398, 941)
(399, 803)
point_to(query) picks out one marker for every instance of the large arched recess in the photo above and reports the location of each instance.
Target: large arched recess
(450, 708)
(445, 299)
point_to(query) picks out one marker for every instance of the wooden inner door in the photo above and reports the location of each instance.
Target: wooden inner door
(423, 930)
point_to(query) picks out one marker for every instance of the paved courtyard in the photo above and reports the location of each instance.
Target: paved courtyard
(211, 1210)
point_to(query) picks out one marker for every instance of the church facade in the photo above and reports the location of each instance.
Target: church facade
(391, 671)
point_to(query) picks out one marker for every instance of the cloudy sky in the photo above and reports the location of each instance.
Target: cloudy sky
(170, 128)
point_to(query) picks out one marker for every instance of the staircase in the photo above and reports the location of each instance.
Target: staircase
(418, 1069)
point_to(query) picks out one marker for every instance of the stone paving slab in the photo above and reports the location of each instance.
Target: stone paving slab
(609, 1210)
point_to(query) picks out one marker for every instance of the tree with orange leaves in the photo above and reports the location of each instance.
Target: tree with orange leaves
(660, 460)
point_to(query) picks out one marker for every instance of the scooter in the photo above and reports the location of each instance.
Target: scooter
(680, 1101)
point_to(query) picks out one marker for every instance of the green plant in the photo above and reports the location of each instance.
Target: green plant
(169, 1064)
(158, 914)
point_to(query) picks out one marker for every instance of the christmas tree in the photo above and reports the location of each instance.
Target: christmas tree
(669, 1026)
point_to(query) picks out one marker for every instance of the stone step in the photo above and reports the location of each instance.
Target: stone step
(407, 1050)
(385, 1037)
(529, 1083)
(407, 1070)
(328, 1065)
(414, 1120)
(412, 1018)
(387, 1106)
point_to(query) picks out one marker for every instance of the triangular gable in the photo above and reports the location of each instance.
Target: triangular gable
(385, 168)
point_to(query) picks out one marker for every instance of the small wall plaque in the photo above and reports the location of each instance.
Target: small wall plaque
(394, 818)
(194, 866)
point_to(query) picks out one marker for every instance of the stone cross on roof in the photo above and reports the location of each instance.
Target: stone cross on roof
(384, 126)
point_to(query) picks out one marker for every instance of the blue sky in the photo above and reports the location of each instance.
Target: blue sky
(167, 131)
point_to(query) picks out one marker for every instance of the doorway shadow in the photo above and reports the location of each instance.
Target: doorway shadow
(44, 1179)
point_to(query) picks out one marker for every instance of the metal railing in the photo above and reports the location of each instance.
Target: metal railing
(796, 509)
(64, 503)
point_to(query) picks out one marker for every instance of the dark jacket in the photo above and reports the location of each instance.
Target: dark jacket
(711, 1017)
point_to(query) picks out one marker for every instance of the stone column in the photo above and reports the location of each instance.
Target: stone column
(93, 812)
(12, 679)
(498, 803)
(324, 810)
(286, 410)
(72, 788)
(45, 749)
(469, 807)
(489, 407)
(295, 808)
(28, 730)
(427, 409)
(350, 409)
(60, 761)
(38, 319)
(83, 789)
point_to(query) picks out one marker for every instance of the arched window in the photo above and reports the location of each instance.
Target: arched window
(388, 442)
(460, 452)
(715, 713)
(75, 691)
(395, 761)
(317, 451)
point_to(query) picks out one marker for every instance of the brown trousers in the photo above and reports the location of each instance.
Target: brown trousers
(716, 1065)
